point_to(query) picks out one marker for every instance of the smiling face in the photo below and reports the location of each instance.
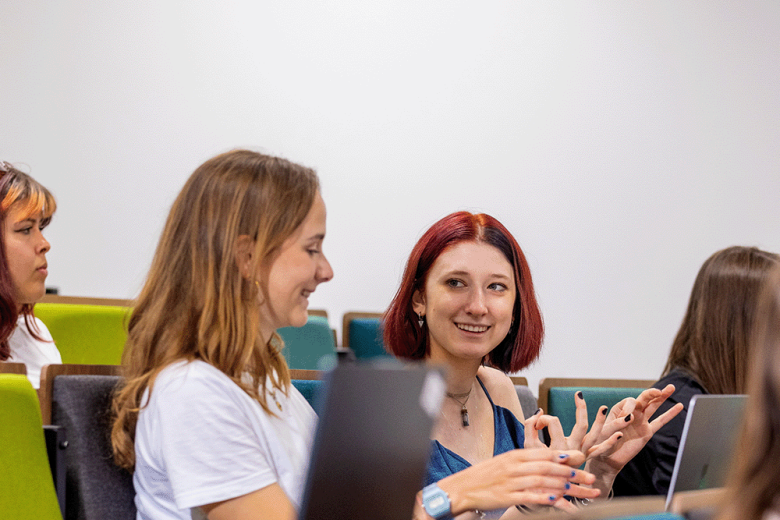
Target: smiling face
(468, 301)
(295, 272)
(25, 250)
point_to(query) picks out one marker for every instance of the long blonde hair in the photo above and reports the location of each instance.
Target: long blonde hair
(753, 484)
(195, 304)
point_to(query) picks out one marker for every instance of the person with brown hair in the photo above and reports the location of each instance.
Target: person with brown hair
(26, 208)
(752, 489)
(709, 355)
(466, 301)
(207, 417)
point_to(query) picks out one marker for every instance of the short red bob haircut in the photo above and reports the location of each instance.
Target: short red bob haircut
(404, 337)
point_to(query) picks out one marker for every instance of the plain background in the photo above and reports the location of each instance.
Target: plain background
(622, 142)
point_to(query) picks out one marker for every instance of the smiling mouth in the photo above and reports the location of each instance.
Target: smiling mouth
(472, 328)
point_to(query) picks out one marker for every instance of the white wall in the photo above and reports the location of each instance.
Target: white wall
(622, 142)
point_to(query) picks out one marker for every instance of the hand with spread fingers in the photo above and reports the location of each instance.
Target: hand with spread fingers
(613, 439)
(636, 430)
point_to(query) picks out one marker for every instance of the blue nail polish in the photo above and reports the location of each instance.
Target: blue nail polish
(552, 498)
(573, 473)
(568, 486)
(563, 456)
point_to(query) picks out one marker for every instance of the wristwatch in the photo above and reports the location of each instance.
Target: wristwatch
(436, 502)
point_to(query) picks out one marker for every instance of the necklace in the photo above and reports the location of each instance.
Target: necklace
(464, 413)
(278, 404)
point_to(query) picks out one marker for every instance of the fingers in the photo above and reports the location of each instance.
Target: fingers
(595, 431)
(532, 439)
(553, 425)
(665, 417)
(581, 419)
(606, 446)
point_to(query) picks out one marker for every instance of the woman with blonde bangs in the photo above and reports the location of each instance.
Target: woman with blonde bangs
(752, 490)
(26, 208)
(207, 418)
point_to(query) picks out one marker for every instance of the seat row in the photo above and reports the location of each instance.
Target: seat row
(77, 475)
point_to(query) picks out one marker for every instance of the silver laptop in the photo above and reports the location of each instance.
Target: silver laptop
(707, 442)
(372, 442)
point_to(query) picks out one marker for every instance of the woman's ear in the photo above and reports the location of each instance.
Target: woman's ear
(418, 302)
(244, 251)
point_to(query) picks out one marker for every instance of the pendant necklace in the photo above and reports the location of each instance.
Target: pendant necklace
(464, 413)
(273, 394)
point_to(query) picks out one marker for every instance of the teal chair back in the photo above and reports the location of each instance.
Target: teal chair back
(310, 389)
(311, 347)
(556, 396)
(363, 335)
(26, 484)
(86, 334)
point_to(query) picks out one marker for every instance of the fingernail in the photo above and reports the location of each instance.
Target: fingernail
(538, 411)
(573, 474)
(563, 456)
(604, 411)
(552, 498)
(620, 436)
(579, 394)
(628, 417)
(567, 486)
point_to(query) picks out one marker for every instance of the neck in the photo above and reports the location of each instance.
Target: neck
(461, 374)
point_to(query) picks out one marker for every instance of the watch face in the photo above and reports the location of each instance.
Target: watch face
(436, 502)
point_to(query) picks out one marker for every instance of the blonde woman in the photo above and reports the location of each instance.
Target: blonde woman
(207, 418)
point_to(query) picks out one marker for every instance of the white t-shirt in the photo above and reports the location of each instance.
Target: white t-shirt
(201, 439)
(32, 352)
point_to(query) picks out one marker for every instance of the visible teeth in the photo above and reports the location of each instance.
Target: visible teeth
(472, 328)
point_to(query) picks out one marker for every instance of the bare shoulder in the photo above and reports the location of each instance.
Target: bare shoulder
(500, 387)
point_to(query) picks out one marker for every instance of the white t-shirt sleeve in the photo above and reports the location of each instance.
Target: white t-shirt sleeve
(207, 443)
(32, 352)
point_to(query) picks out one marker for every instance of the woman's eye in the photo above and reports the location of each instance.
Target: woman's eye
(313, 252)
(497, 287)
(455, 283)
(25, 231)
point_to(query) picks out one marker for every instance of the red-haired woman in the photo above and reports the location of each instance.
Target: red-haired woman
(467, 301)
(26, 208)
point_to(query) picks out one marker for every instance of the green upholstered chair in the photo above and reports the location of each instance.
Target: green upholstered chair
(556, 396)
(310, 347)
(86, 334)
(362, 333)
(25, 478)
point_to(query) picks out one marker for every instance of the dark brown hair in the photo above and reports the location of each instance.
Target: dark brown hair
(406, 339)
(713, 340)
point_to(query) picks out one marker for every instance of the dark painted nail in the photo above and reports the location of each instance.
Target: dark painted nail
(620, 436)
(552, 498)
(538, 411)
(579, 394)
(604, 411)
(628, 417)
(573, 473)
(563, 456)
(567, 486)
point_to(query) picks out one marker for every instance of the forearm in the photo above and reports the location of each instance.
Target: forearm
(605, 476)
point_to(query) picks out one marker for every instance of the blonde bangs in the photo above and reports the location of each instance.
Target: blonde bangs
(32, 199)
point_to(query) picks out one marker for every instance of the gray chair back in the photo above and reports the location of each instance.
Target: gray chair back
(96, 488)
